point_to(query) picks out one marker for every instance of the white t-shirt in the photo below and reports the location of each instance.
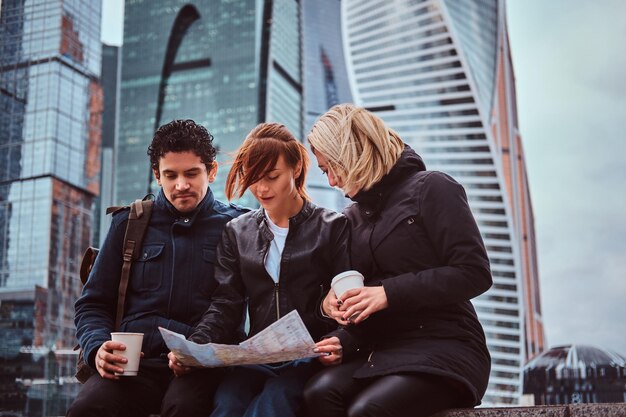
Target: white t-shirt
(275, 252)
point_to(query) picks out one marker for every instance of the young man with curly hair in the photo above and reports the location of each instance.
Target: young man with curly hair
(170, 286)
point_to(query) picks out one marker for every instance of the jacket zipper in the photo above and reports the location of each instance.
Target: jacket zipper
(172, 274)
(369, 241)
(276, 286)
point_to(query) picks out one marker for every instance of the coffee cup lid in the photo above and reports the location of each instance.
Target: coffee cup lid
(345, 274)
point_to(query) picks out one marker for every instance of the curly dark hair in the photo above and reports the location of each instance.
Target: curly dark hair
(182, 136)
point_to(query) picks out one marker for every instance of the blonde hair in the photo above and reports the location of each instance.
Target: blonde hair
(258, 155)
(359, 147)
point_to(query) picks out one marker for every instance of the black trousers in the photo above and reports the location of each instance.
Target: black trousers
(333, 392)
(155, 390)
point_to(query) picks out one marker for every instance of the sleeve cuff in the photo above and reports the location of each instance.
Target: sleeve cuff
(323, 313)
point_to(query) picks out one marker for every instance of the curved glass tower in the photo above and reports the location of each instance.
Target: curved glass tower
(228, 65)
(439, 72)
(325, 82)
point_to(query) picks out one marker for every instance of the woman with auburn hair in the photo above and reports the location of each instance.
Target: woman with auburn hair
(278, 258)
(411, 342)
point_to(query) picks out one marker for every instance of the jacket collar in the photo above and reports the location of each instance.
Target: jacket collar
(372, 201)
(303, 214)
(205, 206)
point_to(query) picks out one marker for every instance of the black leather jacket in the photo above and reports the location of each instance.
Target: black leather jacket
(316, 249)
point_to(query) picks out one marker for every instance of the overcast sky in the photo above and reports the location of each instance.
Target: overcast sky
(570, 65)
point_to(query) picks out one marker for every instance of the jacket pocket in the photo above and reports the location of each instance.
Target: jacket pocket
(412, 245)
(149, 270)
(206, 278)
(404, 236)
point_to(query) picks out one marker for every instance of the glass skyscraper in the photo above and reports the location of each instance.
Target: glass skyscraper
(228, 65)
(109, 79)
(325, 77)
(50, 121)
(439, 72)
(325, 82)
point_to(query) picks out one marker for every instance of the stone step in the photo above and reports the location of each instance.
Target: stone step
(571, 410)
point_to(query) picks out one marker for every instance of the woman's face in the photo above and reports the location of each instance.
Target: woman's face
(334, 180)
(277, 189)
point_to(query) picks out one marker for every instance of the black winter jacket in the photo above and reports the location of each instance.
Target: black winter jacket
(414, 234)
(316, 249)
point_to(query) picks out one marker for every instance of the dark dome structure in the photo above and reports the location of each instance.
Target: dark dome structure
(576, 374)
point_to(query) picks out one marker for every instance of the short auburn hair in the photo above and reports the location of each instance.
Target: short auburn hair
(258, 155)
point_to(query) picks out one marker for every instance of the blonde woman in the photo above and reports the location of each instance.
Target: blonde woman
(411, 342)
(280, 257)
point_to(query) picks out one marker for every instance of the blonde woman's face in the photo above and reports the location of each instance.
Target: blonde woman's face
(334, 180)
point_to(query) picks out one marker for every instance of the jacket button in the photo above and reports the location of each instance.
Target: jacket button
(186, 220)
(145, 255)
(371, 365)
(368, 212)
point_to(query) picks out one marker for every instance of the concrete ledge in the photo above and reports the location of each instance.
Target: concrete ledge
(572, 410)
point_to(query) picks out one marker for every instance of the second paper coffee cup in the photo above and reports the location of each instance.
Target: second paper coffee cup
(346, 281)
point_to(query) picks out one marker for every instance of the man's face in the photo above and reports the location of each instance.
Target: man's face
(184, 179)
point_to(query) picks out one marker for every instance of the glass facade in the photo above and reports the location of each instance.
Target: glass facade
(509, 148)
(228, 65)
(325, 82)
(476, 23)
(50, 133)
(109, 82)
(111, 63)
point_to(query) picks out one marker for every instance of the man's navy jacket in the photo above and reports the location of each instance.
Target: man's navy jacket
(170, 284)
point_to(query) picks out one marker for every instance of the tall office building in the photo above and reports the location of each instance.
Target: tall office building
(508, 147)
(325, 81)
(439, 72)
(109, 79)
(228, 65)
(50, 104)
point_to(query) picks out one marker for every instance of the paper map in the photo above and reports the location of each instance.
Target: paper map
(284, 340)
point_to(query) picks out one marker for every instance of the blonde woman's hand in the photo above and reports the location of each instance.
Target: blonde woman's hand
(330, 350)
(330, 308)
(360, 303)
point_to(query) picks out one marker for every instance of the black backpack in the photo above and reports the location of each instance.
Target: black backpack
(138, 219)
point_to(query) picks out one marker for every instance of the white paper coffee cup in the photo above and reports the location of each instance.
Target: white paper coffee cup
(133, 342)
(346, 281)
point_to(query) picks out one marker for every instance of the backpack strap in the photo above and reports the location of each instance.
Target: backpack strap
(138, 219)
(86, 263)
(89, 257)
(114, 209)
